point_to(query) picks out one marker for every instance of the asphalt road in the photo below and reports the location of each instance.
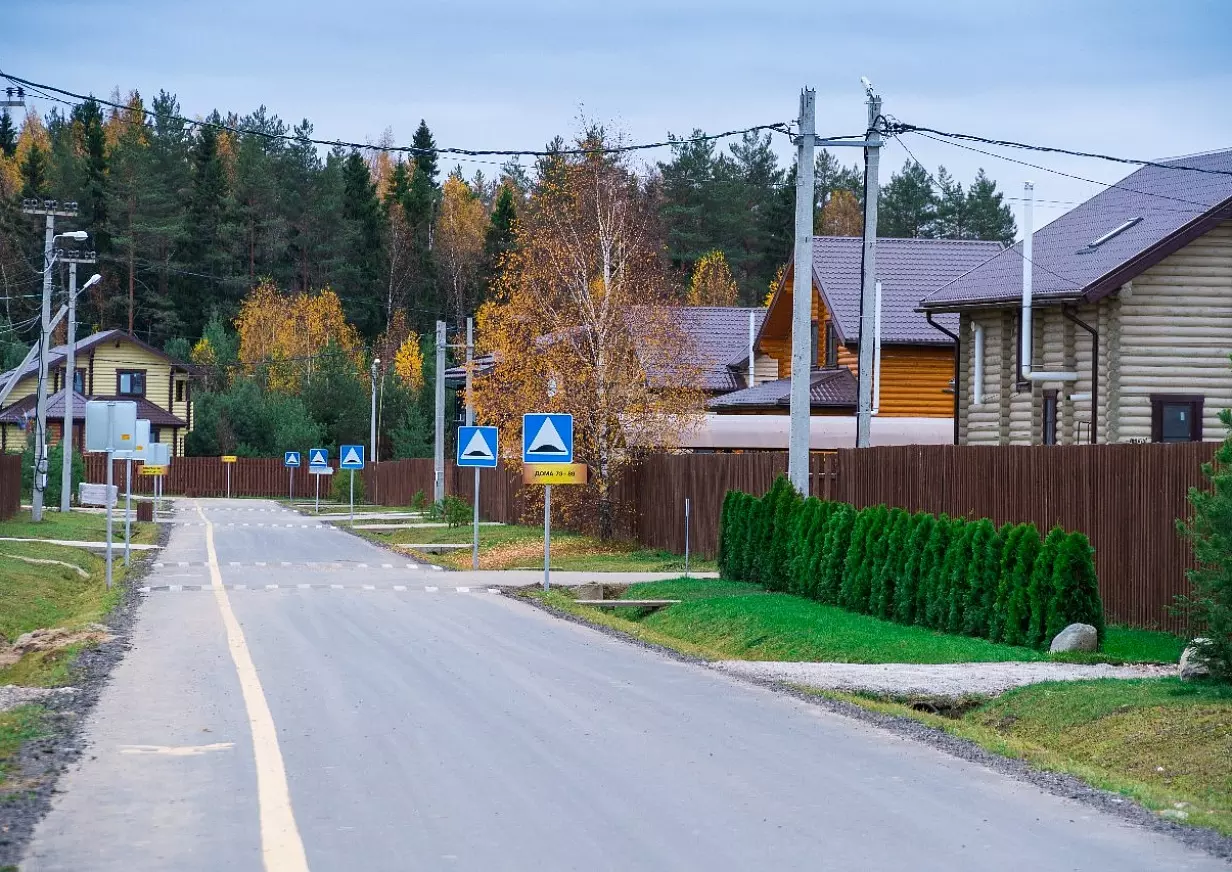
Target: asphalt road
(435, 729)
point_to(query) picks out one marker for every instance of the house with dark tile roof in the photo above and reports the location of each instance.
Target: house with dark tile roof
(110, 365)
(1131, 318)
(916, 361)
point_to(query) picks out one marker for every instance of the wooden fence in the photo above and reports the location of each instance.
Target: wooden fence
(1126, 498)
(10, 485)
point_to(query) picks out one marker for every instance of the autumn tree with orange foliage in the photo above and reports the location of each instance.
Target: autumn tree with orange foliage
(842, 215)
(580, 323)
(712, 283)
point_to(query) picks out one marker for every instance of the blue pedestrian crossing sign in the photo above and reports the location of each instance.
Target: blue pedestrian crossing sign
(350, 457)
(290, 458)
(318, 457)
(477, 446)
(547, 438)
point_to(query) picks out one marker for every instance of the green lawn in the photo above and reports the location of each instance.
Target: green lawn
(77, 526)
(513, 546)
(1162, 742)
(51, 592)
(737, 621)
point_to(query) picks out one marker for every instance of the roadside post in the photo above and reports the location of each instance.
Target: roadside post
(351, 457)
(110, 427)
(686, 537)
(318, 465)
(477, 447)
(228, 460)
(547, 459)
(138, 452)
(290, 459)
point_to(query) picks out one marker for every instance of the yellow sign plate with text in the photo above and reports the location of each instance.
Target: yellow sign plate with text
(228, 458)
(554, 473)
(153, 470)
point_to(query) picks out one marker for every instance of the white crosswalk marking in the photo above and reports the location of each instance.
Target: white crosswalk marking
(271, 587)
(361, 565)
(431, 589)
(369, 587)
(335, 587)
(304, 586)
(387, 566)
(399, 587)
(463, 590)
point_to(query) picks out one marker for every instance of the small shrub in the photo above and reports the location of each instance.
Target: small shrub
(890, 567)
(1019, 569)
(1039, 590)
(906, 591)
(419, 502)
(340, 487)
(1075, 589)
(832, 559)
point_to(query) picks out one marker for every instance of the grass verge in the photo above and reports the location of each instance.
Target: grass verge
(513, 546)
(1164, 743)
(76, 526)
(738, 621)
(17, 726)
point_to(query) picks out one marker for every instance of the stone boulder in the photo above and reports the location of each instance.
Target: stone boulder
(1076, 637)
(1192, 665)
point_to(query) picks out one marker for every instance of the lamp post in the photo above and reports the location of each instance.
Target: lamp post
(70, 383)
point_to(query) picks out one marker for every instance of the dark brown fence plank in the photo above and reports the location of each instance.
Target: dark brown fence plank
(10, 485)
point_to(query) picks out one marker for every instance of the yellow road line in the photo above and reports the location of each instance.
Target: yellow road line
(281, 847)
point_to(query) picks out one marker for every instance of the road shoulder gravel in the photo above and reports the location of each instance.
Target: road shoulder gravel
(1056, 783)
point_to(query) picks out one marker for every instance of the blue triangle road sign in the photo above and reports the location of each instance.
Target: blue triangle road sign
(318, 457)
(477, 446)
(290, 458)
(350, 457)
(547, 438)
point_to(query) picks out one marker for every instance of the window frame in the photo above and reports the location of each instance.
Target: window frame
(831, 345)
(1196, 403)
(181, 390)
(1048, 418)
(120, 373)
(814, 344)
(80, 370)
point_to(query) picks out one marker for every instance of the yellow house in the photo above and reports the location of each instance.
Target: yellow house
(110, 365)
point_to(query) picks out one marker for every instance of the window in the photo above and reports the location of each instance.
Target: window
(814, 358)
(179, 391)
(1050, 417)
(831, 345)
(155, 434)
(79, 381)
(130, 382)
(1176, 417)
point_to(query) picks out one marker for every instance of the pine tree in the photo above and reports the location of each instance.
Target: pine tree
(1040, 590)
(358, 280)
(1209, 605)
(832, 559)
(8, 135)
(915, 548)
(988, 217)
(908, 207)
(420, 206)
(1075, 589)
(34, 181)
(87, 119)
(500, 238)
(952, 218)
(204, 249)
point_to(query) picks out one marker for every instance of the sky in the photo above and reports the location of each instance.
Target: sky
(1129, 78)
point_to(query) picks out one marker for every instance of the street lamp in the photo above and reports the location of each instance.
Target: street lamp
(70, 385)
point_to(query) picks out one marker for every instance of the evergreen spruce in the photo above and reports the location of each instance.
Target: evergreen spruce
(890, 569)
(853, 593)
(777, 552)
(725, 522)
(801, 537)
(1039, 591)
(832, 559)
(1075, 589)
(952, 601)
(1017, 623)
(746, 512)
(8, 135)
(932, 570)
(982, 575)
(905, 592)
(1009, 536)
(499, 239)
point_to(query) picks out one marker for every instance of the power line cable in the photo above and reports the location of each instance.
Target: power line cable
(895, 127)
(777, 127)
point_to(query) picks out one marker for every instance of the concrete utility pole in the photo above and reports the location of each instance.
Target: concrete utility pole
(470, 422)
(438, 457)
(376, 362)
(802, 298)
(868, 269)
(70, 371)
(50, 210)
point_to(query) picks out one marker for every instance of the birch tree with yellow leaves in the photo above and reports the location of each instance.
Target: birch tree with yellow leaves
(580, 323)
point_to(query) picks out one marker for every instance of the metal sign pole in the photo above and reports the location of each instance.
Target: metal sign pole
(228, 481)
(547, 537)
(352, 498)
(317, 510)
(475, 538)
(128, 508)
(291, 484)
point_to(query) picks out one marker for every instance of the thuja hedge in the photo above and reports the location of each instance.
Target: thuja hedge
(951, 574)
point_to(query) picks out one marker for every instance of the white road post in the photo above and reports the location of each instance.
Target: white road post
(868, 271)
(686, 537)
(470, 421)
(802, 298)
(128, 508)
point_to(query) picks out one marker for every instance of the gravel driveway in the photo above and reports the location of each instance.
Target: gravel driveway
(937, 680)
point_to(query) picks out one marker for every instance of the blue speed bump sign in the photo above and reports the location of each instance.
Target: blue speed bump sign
(318, 457)
(477, 446)
(290, 458)
(350, 457)
(547, 438)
